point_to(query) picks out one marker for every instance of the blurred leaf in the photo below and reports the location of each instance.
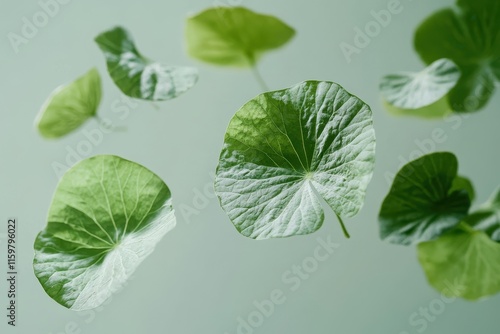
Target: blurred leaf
(69, 106)
(462, 264)
(422, 203)
(234, 36)
(420, 94)
(139, 77)
(470, 36)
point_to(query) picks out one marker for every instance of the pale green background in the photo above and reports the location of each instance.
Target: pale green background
(204, 275)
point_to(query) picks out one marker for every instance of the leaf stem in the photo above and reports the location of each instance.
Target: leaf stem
(344, 229)
(466, 227)
(259, 78)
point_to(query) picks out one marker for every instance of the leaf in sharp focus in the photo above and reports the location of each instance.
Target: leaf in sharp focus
(137, 76)
(470, 36)
(69, 106)
(234, 36)
(422, 203)
(487, 217)
(283, 147)
(106, 217)
(418, 90)
(462, 264)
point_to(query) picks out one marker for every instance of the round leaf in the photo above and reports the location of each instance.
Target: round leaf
(418, 90)
(468, 261)
(69, 106)
(422, 203)
(106, 216)
(285, 150)
(234, 36)
(139, 77)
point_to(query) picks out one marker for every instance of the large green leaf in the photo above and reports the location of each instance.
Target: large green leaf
(106, 216)
(234, 36)
(423, 202)
(410, 91)
(139, 77)
(467, 260)
(285, 150)
(487, 217)
(69, 106)
(470, 36)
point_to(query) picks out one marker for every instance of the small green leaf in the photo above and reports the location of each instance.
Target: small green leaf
(469, 261)
(420, 91)
(139, 77)
(470, 36)
(463, 183)
(285, 150)
(69, 106)
(234, 36)
(422, 203)
(106, 216)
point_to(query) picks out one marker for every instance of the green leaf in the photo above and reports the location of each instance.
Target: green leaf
(106, 217)
(437, 110)
(139, 77)
(470, 36)
(285, 150)
(474, 89)
(417, 90)
(234, 36)
(69, 106)
(463, 183)
(469, 261)
(487, 217)
(422, 203)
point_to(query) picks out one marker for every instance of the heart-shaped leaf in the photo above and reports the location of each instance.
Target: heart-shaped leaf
(467, 260)
(139, 77)
(234, 36)
(470, 36)
(423, 203)
(69, 106)
(285, 150)
(410, 91)
(106, 216)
